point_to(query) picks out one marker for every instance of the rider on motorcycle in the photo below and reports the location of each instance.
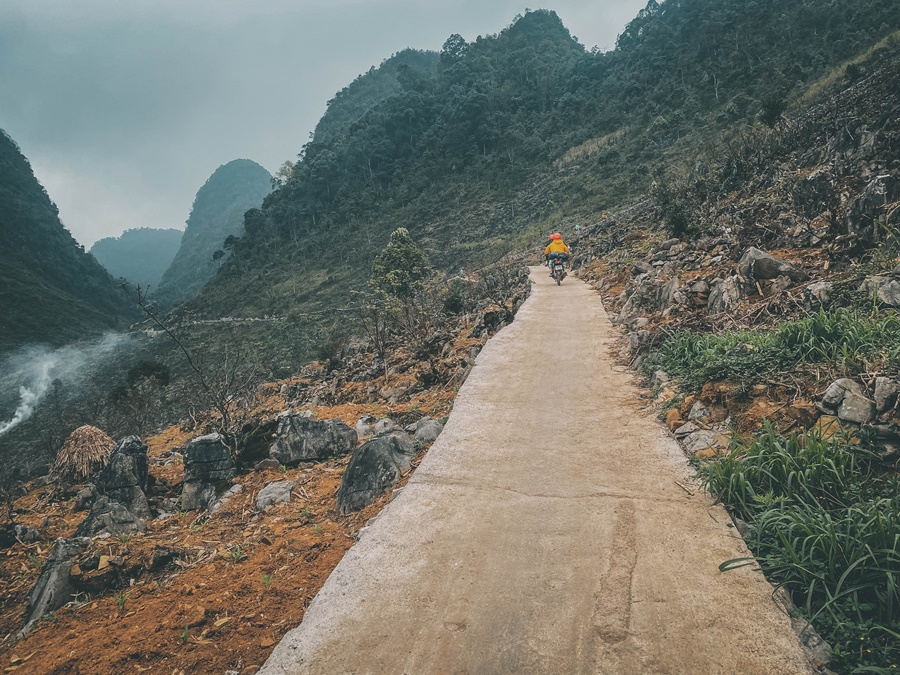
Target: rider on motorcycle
(556, 249)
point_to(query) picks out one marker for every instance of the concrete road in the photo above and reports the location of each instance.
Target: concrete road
(545, 532)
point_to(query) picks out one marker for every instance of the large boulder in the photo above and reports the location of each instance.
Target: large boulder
(124, 478)
(208, 470)
(375, 467)
(110, 517)
(427, 430)
(757, 264)
(725, 295)
(302, 439)
(54, 587)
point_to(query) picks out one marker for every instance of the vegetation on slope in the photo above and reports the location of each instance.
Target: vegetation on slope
(140, 255)
(217, 214)
(50, 289)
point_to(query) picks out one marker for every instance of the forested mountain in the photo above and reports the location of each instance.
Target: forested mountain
(140, 255)
(50, 289)
(217, 213)
(512, 133)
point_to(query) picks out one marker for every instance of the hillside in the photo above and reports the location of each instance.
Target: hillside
(217, 213)
(141, 255)
(50, 289)
(518, 132)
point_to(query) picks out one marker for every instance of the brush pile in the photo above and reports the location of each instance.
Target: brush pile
(84, 454)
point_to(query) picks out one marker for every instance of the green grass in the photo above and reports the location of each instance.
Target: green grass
(824, 523)
(847, 341)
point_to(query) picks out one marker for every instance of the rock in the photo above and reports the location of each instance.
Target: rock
(84, 498)
(375, 467)
(384, 426)
(856, 408)
(230, 494)
(757, 264)
(886, 391)
(110, 517)
(669, 243)
(124, 478)
(819, 292)
(686, 429)
(698, 412)
(254, 441)
(427, 430)
(11, 533)
(725, 295)
(638, 339)
(700, 287)
(208, 470)
(885, 289)
(267, 464)
(274, 493)
(780, 284)
(659, 379)
(838, 389)
(54, 587)
(699, 440)
(301, 439)
(365, 425)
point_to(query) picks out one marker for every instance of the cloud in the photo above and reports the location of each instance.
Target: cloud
(126, 108)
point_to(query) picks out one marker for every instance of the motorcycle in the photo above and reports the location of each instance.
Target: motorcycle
(558, 267)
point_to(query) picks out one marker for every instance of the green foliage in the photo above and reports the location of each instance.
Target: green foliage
(401, 268)
(267, 581)
(845, 339)
(121, 599)
(824, 524)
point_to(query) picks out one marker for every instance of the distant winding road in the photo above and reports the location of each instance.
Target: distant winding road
(545, 532)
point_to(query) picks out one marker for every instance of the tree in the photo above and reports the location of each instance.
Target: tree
(401, 268)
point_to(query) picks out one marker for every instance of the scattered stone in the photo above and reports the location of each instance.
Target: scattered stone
(699, 412)
(759, 265)
(267, 464)
(780, 284)
(699, 440)
(725, 295)
(819, 292)
(384, 426)
(111, 518)
(659, 379)
(274, 493)
(124, 479)
(884, 289)
(838, 389)
(375, 467)
(208, 470)
(427, 430)
(302, 439)
(84, 498)
(11, 533)
(857, 409)
(686, 429)
(54, 587)
(230, 494)
(886, 391)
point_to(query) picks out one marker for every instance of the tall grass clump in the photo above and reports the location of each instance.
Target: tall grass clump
(825, 524)
(846, 340)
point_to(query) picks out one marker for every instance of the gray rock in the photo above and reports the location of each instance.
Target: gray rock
(698, 411)
(375, 467)
(109, 517)
(384, 426)
(124, 478)
(780, 284)
(267, 464)
(301, 439)
(659, 379)
(427, 430)
(838, 389)
(84, 498)
(725, 296)
(757, 264)
(886, 391)
(699, 440)
(700, 287)
(230, 494)
(274, 493)
(669, 243)
(856, 408)
(208, 470)
(686, 429)
(638, 339)
(885, 289)
(819, 292)
(54, 587)
(365, 425)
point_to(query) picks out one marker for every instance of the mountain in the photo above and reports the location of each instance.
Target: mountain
(513, 134)
(217, 213)
(140, 255)
(50, 289)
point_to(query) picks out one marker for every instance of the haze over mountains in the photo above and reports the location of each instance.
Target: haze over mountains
(140, 256)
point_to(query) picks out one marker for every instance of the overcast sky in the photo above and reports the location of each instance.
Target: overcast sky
(125, 107)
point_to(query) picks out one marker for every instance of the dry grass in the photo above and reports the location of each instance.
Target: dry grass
(588, 149)
(84, 453)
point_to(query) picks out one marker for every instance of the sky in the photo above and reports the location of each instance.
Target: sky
(126, 107)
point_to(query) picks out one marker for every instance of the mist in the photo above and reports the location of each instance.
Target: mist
(33, 370)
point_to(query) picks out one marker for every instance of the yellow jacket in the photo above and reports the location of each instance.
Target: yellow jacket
(557, 246)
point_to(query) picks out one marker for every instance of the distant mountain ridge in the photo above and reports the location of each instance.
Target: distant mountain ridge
(218, 212)
(50, 290)
(140, 256)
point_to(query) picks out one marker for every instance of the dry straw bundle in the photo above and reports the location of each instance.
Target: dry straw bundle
(84, 453)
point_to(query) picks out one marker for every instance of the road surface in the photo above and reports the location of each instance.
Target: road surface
(546, 532)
